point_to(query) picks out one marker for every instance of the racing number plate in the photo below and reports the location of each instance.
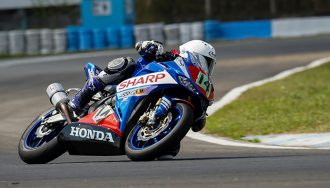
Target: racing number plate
(204, 82)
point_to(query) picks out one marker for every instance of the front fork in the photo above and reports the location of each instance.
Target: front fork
(160, 110)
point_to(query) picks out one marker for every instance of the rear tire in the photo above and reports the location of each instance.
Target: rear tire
(40, 154)
(171, 140)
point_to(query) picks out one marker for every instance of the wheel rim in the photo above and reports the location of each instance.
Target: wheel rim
(32, 141)
(138, 144)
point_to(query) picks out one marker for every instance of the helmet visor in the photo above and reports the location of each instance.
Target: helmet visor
(210, 64)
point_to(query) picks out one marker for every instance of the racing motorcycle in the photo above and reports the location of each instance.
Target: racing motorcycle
(143, 117)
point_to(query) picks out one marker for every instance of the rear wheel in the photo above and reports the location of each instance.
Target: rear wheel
(140, 146)
(37, 146)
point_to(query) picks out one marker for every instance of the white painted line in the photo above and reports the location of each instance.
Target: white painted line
(228, 142)
(312, 140)
(56, 58)
(236, 92)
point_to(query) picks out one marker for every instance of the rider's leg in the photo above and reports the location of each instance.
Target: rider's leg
(116, 71)
(91, 87)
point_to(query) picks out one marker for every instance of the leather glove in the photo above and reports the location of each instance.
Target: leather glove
(149, 50)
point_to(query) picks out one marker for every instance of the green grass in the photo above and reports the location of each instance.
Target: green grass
(297, 104)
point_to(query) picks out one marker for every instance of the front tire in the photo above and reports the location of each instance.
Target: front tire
(32, 152)
(171, 139)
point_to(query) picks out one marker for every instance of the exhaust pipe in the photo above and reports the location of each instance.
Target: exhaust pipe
(59, 99)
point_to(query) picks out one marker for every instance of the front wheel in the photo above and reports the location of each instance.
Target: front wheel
(140, 147)
(36, 146)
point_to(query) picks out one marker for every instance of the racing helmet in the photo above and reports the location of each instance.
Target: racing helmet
(203, 49)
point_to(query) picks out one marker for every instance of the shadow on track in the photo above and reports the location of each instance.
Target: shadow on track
(177, 159)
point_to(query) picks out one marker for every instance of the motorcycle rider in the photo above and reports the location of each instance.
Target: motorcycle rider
(123, 68)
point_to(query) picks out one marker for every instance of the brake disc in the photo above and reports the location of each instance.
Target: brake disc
(146, 133)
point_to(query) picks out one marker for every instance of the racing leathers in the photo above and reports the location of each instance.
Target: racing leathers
(123, 68)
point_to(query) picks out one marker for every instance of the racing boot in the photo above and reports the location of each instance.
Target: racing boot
(116, 71)
(82, 98)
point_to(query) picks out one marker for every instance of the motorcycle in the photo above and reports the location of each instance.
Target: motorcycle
(144, 117)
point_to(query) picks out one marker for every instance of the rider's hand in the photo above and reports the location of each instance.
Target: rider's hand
(149, 50)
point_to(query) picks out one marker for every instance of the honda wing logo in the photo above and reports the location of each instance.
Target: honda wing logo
(102, 113)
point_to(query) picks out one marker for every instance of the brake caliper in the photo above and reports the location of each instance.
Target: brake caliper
(161, 108)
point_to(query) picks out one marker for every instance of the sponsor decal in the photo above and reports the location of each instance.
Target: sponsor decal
(126, 94)
(136, 92)
(102, 113)
(139, 91)
(91, 134)
(179, 61)
(149, 79)
(204, 82)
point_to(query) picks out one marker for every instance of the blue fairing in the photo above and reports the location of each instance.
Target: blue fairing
(125, 106)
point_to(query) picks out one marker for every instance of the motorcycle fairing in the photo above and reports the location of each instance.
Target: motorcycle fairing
(86, 139)
(156, 78)
(172, 69)
(103, 116)
(151, 78)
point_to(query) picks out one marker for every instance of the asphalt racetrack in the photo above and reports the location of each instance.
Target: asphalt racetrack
(199, 164)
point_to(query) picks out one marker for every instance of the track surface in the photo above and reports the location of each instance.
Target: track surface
(22, 89)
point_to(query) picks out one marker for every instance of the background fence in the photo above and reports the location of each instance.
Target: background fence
(72, 39)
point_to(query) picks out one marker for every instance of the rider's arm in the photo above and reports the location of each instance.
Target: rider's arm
(149, 50)
(167, 56)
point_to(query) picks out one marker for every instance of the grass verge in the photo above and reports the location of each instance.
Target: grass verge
(297, 104)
